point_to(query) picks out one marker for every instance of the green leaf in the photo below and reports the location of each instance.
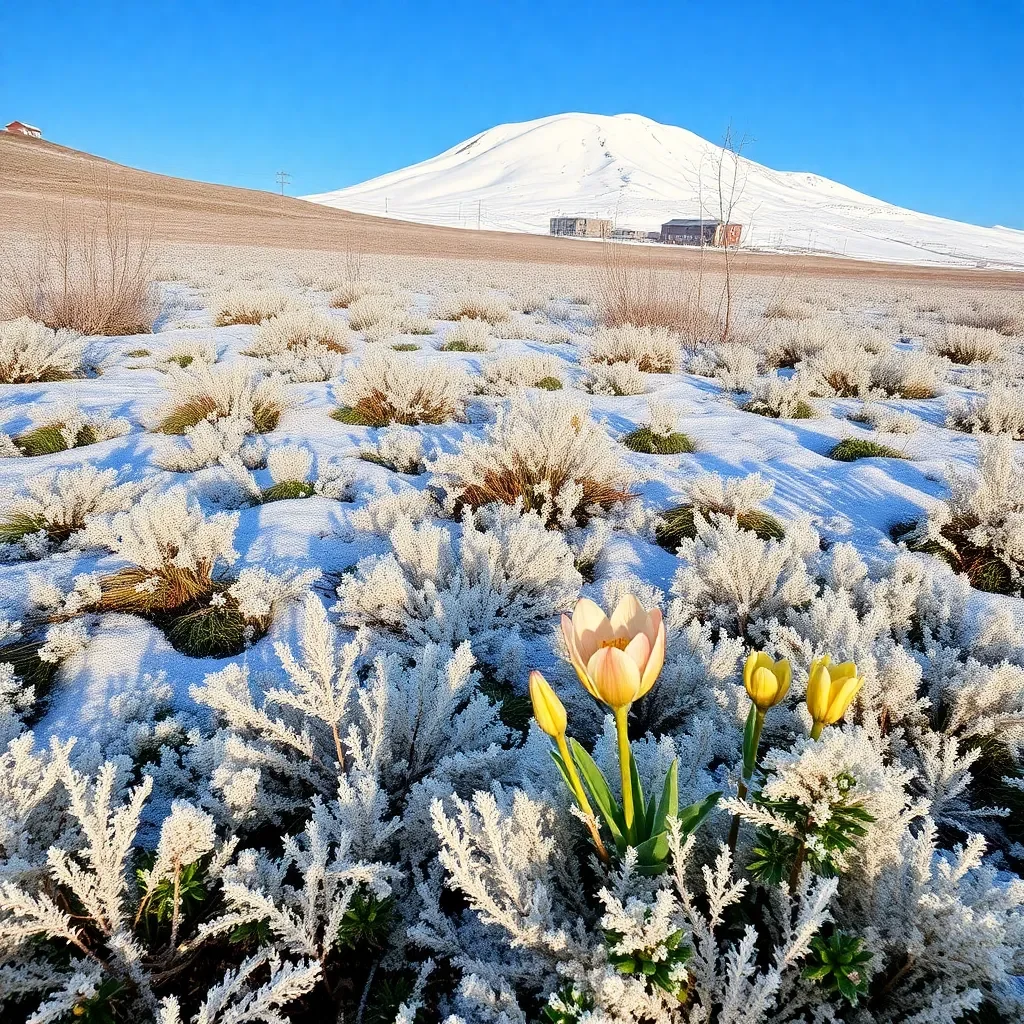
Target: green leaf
(599, 793)
(750, 738)
(654, 850)
(557, 758)
(691, 817)
(669, 806)
(641, 825)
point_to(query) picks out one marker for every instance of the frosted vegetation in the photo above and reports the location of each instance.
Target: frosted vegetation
(409, 641)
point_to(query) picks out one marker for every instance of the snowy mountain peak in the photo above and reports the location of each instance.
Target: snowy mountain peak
(639, 173)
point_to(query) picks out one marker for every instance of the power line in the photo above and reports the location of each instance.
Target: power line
(283, 178)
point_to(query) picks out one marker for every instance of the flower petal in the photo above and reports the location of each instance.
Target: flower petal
(629, 617)
(656, 660)
(639, 649)
(615, 676)
(842, 699)
(590, 627)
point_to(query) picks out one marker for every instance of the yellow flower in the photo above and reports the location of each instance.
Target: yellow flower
(766, 681)
(547, 708)
(830, 689)
(617, 659)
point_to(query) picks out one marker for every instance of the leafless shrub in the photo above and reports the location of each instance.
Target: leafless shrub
(966, 345)
(92, 275)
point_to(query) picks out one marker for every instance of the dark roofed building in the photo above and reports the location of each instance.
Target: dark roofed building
(700, 231)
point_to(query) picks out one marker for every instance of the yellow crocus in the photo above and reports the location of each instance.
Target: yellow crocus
(549, 712)
(830, 691)
(766, 681)
(547, 708)
(617, 657)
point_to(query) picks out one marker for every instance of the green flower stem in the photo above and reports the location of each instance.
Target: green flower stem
(751, 741)
(621, 716)
(816, 730)
(581, 796)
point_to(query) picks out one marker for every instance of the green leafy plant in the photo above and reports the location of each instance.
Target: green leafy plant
(819, 845)
(367, 922)
(190, 891)
(672, 954)
(49, 439)
(567, 1006)
(838, 963)
(648, 834)
(550, 384)
(99, 1008)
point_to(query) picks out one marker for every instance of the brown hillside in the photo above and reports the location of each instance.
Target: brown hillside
(37, 176)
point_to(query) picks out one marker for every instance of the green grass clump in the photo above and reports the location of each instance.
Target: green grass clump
(287, 489)
(406, 346)
(677, 524)
(984, 571)
(647, 442)
(19, 526)
(851, 449)
(137, 353)
(460, 346)
(550, 384)
(48, 439)
(31, 670)
(186, 415)
(182, 360)
(206, 632)
(803, 411)
(351, 417)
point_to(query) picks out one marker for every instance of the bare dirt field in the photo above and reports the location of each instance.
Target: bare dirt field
(36, 177)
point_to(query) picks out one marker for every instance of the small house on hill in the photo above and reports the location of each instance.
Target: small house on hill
(700, 231)
(20, 128)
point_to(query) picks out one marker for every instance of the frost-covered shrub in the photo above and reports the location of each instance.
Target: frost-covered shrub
(980, 531)
(999, 411)
(788, 307)
(247, 306)
(838, 369)
(500, 582)
(471, 305)
(292, 475)
(59, 430)
(795, 343)
(213, 443)
(299, 329)
(31, 352)
(659, 436)
(399, 449)
(780, 397)
(184, 352)
(175, 576)
(965, 345)
(543, 452)
(908, 374)
(886, 420)
(375, 308)
(652, 350)
(206, 393)
(616, 379)
(710, 494)
(468, 336)
(348, 292)
(56, 506)
(505, 376)
(382, 388)
(735, 366)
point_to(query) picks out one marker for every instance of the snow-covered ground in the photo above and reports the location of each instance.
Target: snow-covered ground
(856, 502)
(640, 173)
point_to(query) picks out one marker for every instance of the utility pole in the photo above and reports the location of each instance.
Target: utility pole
(385, 204)
(283, 178)
(478, 215)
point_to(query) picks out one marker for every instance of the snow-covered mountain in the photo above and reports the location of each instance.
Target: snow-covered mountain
(641, 173)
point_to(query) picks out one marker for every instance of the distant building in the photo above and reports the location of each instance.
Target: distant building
(20, 128)
(700, 231)
(581, 227)
(629, 235)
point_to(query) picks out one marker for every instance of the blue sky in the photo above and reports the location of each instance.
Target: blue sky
(921, 104)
